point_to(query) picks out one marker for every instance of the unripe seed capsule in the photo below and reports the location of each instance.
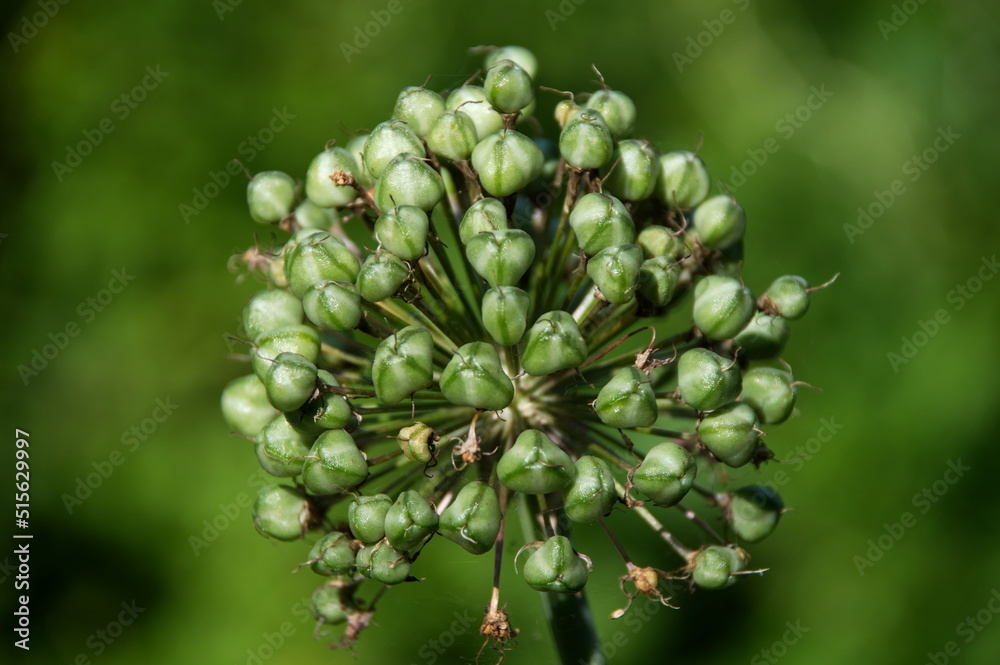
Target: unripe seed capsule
(403, 364)
(506, 162)
(300, 339)
(269, 310)
(419, 108)
(615, 271)
(635, 171)
(508, 87)
(385, 142)
(383, 563)
(408, 181)
(281, 512)
(290, 381)
(763, 337)
(320, 187)
(659, 241)
(585, 142)
(535, 465)
(769, 391)
(327, 410)
(311, 216)
(366, 517)
(356, 146)
(683, 181)
(505, 314)
(617, 109)
(485, 215)
(471, 100)
(381, 276)
(319, 258)
(245, 407)
(789, 295)
(403, 231)
(417, 442)
(333, 305)
(410, 519)
(501, 257)
(334, 464)
(473, 519)
(722, 306)
(666, 474)
(281, 449)
(332, 555)
(474, 377)
(707, 380)
(555, 566)
(658, 280)
(627, 400)
(554, 343)
(592, 493)
(565, 110)
(518, 54)
(600, 221)
(713, 567)
(453, 136)
(754, 512)
(326, 606)
(719, 222)
(270, 196)
(730, 433)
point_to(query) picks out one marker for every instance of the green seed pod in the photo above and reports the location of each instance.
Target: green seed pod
(417, 442)
(592, 493)
(617, 109)
(281, 512)
(730, 433)
(658, 280)
(683, 180)
(518, 54)
(666, 474)
(483, 216)
(311, 216)
(555, 566)
(366, 517)
(554, 343)
(707, 380)
(585, 142)
(381, 276)
(474, 377)
(326, 606)
(719, 222)
(627, 400)
(403, 364)
(356, 146)
(763, 337)
(722, 306)
(387, 141)
(269, 310)
(501, 257)
(789, 296)
(505, 314)
(403, 231)
(333, 305)
(334, 464)
(419, 108)
(769, 391)
(410, 519)
(600, 221)
(408, 181)
(660, 241)
(327, 410)
(453, 136)
(245, 407)
(281, 449)
(319, 258)
(535, 465)
(320, 187)
(713, 567)
(635, 172)
(506, 162)
(565, 110)
(299, 339)
(471, 100)
(290, 381)
(615, 271)
(332, 555)
(383, 564)
(508, 87)
(473, 518)
(754, 512)
(270, 196)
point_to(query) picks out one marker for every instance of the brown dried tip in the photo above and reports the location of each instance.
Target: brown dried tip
(647, 583)
(496, 627)
(343, 178)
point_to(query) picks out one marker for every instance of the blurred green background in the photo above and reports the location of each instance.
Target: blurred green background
(892, 77)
